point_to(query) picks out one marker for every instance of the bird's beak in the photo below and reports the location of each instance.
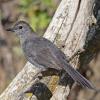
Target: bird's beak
(10, 29)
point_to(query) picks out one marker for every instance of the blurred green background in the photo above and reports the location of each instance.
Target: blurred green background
(38, 13)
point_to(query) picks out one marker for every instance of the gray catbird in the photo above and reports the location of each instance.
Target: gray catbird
(44, 54)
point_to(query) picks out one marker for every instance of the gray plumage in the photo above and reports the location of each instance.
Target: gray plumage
(44, 54)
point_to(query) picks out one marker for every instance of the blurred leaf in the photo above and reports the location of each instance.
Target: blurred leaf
(47, 2)
(33, 21)
(17, 50)
(43, 20)
(25, 2)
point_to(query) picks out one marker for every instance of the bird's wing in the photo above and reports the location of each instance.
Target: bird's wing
(40, 51)
(46, 58)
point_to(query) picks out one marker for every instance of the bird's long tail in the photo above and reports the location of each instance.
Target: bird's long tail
(77, 77)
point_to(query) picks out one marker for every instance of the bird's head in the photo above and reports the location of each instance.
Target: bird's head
(21, 29)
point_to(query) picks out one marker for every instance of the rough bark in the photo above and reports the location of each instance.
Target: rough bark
(67, 30)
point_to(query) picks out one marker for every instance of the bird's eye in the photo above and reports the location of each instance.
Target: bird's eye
(20, 27)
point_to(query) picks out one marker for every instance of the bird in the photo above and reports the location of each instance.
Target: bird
(42, 53)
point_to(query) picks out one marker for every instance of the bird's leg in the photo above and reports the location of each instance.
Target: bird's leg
(75, 54)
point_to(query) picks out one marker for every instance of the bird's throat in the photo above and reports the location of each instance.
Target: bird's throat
(25, 37)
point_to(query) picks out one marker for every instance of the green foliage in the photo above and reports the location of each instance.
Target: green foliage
(48, 2)
(38, 12)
